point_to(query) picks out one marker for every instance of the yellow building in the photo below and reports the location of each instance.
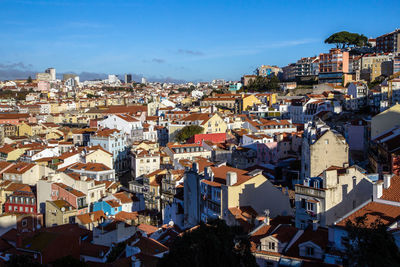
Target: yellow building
(256, 191)
(9, 153)
(24, 129)
(100, 156)
(385, 121)
(215, 124)
(248, 101)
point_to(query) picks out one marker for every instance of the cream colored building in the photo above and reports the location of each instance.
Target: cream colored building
(322, 148)
(385, 121)
(186, 151)
(144, 161)
(100, 156)
(330, 196)
(59, 212)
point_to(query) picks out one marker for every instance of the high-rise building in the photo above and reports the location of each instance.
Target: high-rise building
(307, 66)
(289, 72)
(333, 65)
(389, 43)
(144, 81)
(52, 72)
(128, 78)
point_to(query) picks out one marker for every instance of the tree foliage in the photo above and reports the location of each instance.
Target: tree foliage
(370, 244)
(22, 261)
(187, 132)
(68, 261)
(263, 84)
(344, 38)
(214, 244)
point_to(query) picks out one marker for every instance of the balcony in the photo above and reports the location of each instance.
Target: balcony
(310, 191)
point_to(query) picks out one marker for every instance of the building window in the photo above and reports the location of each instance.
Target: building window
(326, 142)
(310, 206)
(309, 251)
(10, 208)
(271, 245)
(303, 203)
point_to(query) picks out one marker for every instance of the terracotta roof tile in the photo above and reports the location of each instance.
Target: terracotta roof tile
(388, 214)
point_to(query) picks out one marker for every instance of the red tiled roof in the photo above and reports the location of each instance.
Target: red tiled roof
(393, 192)
(147, 228)
(20, 168)
(386, 213)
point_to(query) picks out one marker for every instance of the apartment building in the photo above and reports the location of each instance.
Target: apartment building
(333, 65)
(322, 147)
(144, 161)
(214, 189)
(375, 65)
(113, 141)
(307, 66)
(267, 70)
(332, 194)
(389, 42)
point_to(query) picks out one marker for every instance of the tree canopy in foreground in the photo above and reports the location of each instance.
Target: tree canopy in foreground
(370, 244)
(213, 244)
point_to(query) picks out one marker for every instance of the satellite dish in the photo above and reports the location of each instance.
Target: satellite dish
(62, 209)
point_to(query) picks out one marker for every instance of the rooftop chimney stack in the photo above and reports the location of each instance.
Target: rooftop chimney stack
(386, 180)
(231, 178)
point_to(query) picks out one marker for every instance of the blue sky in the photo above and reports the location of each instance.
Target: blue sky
(188, 40)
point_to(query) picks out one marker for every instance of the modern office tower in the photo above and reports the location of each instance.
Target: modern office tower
(128, 78)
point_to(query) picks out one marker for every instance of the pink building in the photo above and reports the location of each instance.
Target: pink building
(75, 198)
(333, 65)
(267, 152)
(43, 86)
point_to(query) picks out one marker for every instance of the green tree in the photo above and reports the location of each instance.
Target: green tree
(263, 84)
(188, 131)
(344, 38)
(29, 80)
(214, 244)
(370, 244)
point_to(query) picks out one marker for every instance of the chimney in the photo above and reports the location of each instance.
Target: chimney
(386, 180)
(315, 225)
(377, 190)
(195, 167)
(345, 165)
(231, 178)
(209, 173)
(267, 218)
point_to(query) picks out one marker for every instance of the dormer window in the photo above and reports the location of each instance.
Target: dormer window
(310, 251)
(271, 246)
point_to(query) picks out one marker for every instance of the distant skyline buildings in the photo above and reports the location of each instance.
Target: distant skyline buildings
(178, 48)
